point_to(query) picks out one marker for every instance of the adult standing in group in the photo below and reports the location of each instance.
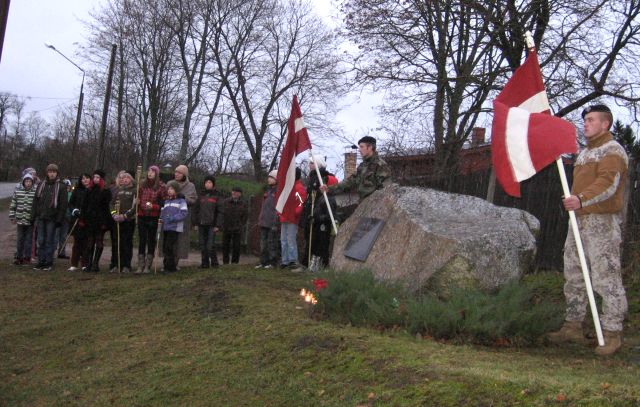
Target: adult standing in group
(188, 190)
(123, 214)
(49, 210)
(597, 197)
(268, 222)
(97, 218)
(152, 193)
(315, 218)
(289, 227)
(78, 225)
(372, 174)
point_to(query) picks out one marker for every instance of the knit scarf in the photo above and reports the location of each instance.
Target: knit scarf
(56, 190)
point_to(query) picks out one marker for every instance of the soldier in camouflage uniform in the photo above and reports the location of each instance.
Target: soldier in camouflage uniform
(372, 174)
(597, 197)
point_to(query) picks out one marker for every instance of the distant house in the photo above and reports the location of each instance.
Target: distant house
(476, 157)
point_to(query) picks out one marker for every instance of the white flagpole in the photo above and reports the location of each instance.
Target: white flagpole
(576, 234)
(326, 198)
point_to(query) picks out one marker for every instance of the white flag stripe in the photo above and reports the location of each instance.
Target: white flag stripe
(537, 103)
(517, 139)
(288, 185)
(299, 124)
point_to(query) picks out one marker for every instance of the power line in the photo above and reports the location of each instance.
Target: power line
(37, 97)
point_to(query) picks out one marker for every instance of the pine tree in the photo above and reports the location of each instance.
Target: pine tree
(624, 135)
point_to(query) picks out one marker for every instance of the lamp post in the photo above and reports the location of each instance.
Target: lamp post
(76, 131)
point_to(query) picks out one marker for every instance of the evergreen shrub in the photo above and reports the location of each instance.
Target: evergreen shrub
(516, 314)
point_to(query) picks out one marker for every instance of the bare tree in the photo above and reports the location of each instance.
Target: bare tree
(589, 48)
(433, 57)
(275, 48)
(150, 84)
(443, 60)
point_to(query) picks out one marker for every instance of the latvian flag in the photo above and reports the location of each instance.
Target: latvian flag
(297, 142)
(525, 137)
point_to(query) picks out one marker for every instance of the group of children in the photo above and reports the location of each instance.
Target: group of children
(91, 209)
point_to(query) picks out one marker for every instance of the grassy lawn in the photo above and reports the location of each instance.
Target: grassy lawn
(242, 337)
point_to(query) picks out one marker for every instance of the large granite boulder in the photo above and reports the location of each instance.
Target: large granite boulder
(437, 240)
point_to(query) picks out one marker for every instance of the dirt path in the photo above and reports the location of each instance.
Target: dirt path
(8, 248)
(7, 236)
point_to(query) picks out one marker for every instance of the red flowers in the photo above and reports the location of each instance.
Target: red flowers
(320, 283)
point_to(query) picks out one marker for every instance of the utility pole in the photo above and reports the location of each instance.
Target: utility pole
(4, 16)
(105, 109)
(76, 131)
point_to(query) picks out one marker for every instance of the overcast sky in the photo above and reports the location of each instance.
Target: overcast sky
(30, 70)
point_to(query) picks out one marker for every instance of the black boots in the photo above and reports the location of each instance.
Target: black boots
(93, 266)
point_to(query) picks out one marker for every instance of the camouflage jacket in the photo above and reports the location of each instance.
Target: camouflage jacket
(373, 173)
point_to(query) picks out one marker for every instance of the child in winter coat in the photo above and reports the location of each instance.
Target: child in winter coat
(234, 219)
(20, 215)
(172, 215)
(206, 215)
(124, 222)
(48, 211)
(152, 193)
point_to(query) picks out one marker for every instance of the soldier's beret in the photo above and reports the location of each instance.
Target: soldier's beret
(596, 108)
(368, 140)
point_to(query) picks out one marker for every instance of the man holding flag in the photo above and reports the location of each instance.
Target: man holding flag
(525, 139)
(372, 174)
(289, 201)
(291, 193)
(597, 197)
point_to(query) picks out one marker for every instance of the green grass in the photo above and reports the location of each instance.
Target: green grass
(242, 337)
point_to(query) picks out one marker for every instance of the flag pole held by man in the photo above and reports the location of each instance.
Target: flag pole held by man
(525, 139)
(297, 142)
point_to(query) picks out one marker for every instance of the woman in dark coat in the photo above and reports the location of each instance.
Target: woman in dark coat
(78, 224)
(98, 220)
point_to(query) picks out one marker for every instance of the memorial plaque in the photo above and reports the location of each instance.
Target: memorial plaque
(363, 238)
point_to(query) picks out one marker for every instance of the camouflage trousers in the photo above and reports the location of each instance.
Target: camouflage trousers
(601, 240)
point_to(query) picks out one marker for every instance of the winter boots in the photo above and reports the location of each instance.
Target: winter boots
(141, 264)
(93, 266)
(612, 342)
(570, 332)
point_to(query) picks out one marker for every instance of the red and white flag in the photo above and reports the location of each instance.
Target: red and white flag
(525, 137)
(297, 142)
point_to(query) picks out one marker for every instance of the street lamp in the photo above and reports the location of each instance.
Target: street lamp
(76, 132)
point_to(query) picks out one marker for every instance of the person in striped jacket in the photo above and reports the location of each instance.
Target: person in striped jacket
(20, 215)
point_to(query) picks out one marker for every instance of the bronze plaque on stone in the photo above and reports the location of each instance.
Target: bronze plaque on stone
(363, 238)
